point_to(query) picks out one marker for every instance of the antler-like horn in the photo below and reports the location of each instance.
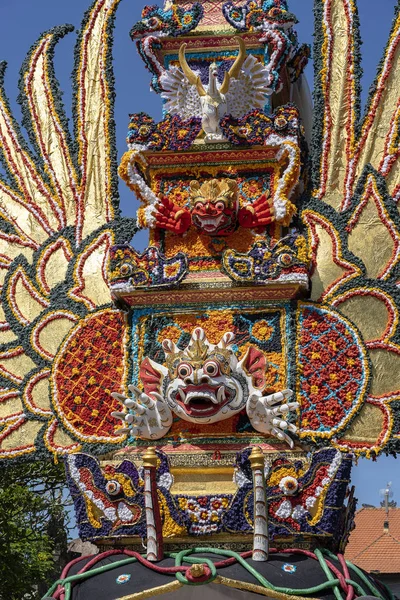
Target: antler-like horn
(192, 78)
(235, 68)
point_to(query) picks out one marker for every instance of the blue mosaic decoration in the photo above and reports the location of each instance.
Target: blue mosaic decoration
(102, 511)
(265, 263)
(255, 127)
(126, 267)
(172, 133)
(173, 22)
(251, 14)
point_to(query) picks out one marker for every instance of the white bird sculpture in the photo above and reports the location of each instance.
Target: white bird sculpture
(244, 88)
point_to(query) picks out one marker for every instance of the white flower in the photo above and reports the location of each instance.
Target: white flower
(166, 480)
(285, 510)
(289, 485)
(310, 501)
(298, 512)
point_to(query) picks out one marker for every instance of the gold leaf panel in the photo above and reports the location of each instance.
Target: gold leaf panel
(90, 273)
(37, 394)
(50, 332)
(23, 438)
(368, 312)
(367, 427)
(385, 372)
(56, 260)
(329, 267)
(59, 442)
(373, 234)
(10, 405)
(15, 364)
(327, 272)
(26, 302)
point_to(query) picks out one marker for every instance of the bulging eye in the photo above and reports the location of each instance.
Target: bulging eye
(126, 269)
(199, 206)
(184, 370)
(113, 488)
(285, 259)
(153, 22)
(211, 367)
(144, 130)
(220, 206)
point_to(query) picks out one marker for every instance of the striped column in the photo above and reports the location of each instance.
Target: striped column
(155, 546)
(260, 539)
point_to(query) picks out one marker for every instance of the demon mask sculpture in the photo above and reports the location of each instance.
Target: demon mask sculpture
(214, 206)
(204, 383)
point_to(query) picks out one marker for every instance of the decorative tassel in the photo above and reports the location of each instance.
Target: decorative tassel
(260, 540)
(155, 546)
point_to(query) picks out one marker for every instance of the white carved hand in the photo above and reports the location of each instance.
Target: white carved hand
(149, 418)
(267, 414)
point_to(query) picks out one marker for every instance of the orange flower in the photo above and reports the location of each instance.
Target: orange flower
(169, 333)
(262, 330)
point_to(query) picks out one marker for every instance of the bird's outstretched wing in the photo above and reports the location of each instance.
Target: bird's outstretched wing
(250, 89)
(59, 216)
(182, 98)
(353, 216)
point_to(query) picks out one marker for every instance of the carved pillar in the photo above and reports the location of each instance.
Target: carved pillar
(155, 546)
(260, 540)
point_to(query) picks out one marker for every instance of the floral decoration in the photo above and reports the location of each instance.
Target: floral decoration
(275, 24)
(172, 22)
(255, 127)
(310, 510)
(289, 485)
(172, 133)
(205, 512)
(333, 370)
(127, 269)
(124, 578)
(288, 568)
(286, 260)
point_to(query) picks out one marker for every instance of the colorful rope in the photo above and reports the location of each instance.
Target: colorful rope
(340, 583)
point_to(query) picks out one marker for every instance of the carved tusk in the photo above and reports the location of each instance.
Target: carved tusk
(192, 78)
(235, 68)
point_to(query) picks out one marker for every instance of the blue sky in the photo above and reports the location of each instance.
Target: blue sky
(22, 21)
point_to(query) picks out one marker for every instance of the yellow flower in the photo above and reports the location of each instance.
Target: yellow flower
(262, 330)
(182, 503)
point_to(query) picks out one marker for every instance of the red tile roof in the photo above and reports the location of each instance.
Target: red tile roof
(371, 547)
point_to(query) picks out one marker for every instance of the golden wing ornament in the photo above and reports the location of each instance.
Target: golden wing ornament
(353, 220)
(59, 217)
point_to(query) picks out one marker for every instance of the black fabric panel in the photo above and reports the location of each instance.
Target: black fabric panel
(307, 574)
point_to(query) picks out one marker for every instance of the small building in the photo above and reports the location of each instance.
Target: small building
(375, 544)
